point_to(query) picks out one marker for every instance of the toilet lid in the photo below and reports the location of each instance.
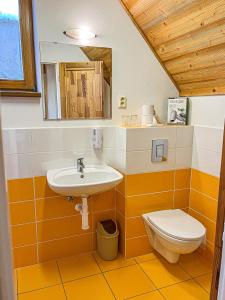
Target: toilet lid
(177, 224)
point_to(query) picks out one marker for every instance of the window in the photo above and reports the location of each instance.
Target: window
(17, 63)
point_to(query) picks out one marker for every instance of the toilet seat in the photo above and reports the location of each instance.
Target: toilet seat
(176, 224)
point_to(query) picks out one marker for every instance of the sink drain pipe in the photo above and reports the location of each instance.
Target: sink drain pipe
(83, 209)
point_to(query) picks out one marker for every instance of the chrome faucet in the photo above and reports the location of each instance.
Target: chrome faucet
(80, 166)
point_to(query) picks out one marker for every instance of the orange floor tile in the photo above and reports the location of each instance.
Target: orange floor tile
(88, 277)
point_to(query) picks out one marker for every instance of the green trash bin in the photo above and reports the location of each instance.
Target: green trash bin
(107, 239)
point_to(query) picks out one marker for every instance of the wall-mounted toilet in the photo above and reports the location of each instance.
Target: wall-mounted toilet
(173, 232)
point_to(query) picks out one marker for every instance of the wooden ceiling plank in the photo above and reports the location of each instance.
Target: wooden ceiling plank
(200, 75)
(159, 12)
(148, 43)
(212, 87)
(210, 57)
(203, 92)
(212, 35)
(220, 82)
(141, 6)
(203, 13)
(130, 3)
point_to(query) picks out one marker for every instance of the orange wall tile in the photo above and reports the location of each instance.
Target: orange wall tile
(138, 184)
(103, 201)
(65, 247)
(120, 203)
(137, 246)
(182, 178)
(42, 189)
(20, 189)
(60, 228)
(56, 207)
(209, 225)
(54, 219)
(122, 186)
(24, 256)
(138, 205)
(22, 212)
(121, 225)
(205, 183)
(181, 198)
(24, 235)
(135, 227)
(204, 205)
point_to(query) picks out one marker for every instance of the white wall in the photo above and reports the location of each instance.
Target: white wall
(7, 291)
(207, 115)
(136, 72)
(208, 111)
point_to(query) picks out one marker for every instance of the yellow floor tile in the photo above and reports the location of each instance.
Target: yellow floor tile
(119, 262)
(163, 273)
(195, 265)
(129, 282)
(149, 296)
(93, 287)
(38, 276)
(54, 292)
(205, 281)
(188, 290)
(146, 257)
(76, 267)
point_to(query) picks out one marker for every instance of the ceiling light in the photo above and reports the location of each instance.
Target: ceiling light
(82, 33)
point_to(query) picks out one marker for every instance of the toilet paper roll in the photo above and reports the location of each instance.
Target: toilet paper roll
(147, 109)
(147, 120)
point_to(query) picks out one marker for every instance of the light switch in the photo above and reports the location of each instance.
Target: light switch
(159, 150)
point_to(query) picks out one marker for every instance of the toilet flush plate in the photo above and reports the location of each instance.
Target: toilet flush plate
(159, 150)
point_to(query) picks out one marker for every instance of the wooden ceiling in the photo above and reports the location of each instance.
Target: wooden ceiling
(188, 38)
(100, 54)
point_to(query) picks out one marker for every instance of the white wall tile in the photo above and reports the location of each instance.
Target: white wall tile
(183, 158)
(17, 141)
(61, 139)
(141, 138)
(210, 138)
(18, 166)
(109, 137)
(120, 160)
(140, 162)
(121, 138)
(184, 136)
(206, 161)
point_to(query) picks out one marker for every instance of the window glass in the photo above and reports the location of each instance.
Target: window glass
(11, 64)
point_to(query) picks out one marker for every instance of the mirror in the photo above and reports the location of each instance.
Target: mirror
(76, 81)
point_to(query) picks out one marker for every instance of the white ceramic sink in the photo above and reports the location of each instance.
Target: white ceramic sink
(68, 181)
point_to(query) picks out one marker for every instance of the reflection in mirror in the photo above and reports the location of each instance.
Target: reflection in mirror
(76, 81)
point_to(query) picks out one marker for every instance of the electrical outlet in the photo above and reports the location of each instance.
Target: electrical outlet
(123, 102)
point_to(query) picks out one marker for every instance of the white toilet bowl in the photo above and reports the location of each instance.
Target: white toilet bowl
(173, 232)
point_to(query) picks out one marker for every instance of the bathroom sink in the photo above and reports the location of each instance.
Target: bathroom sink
(96, 179)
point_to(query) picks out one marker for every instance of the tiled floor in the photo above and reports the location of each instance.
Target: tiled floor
(87, 277)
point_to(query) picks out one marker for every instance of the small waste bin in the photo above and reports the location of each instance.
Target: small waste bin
(107, 239)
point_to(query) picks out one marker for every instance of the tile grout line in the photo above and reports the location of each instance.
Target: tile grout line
(109, 286)
(200, 284)
(202, 215)
(39, 289)
(147, 275)
(203, 194)
(36, 224)
(61, 278)
(191, 277)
